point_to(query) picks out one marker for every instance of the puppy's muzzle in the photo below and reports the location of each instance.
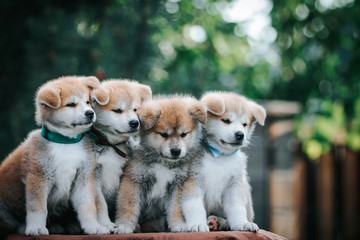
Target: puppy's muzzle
(239, 136)
(134, 124)
(175, 152)
(89, 114)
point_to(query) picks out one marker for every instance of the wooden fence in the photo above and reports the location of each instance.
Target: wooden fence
(329, 200)
(306, 199)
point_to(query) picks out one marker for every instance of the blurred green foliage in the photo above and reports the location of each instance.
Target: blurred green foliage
(327, 126)
(308, 50)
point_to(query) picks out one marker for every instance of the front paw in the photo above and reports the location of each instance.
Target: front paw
(96, 229)
(123, 229)
(179, 227)
(34, 231)
(110, 226)
(246, 226)
(202, 227)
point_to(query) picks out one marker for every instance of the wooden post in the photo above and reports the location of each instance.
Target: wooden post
(326, 197)
(350, 208)
(300, 201)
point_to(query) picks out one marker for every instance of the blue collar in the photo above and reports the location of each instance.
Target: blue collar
(214, 151)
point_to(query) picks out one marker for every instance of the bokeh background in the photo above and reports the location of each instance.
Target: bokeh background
(300, 59)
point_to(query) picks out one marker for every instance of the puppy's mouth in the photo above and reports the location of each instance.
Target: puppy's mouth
(86, 124)
(128, 132)
(233, 144)
(171, 159)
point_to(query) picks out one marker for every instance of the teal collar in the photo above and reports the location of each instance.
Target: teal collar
(59, 138)
(215, 152)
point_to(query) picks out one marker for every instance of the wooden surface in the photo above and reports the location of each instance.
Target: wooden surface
(261, 235)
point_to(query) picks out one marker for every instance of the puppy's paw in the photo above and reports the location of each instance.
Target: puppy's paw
(96, 229)
(34, 231)
(110, 226)
(179, 227)
(246, 226)
(198, 228)
(123, 229)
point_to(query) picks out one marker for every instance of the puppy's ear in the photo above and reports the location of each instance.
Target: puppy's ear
(49, 96)
(149, 114)
(101, 96)
(90, 82)
(144, 92)
(197, 111)
(258, 112)
(214, 104)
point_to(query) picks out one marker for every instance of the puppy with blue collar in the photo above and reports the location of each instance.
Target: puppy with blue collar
(218, 182)
(53, 169)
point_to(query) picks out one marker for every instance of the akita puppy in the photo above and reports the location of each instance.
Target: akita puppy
(55, 164)
(116, 104)
(218, 183)
(169, 138)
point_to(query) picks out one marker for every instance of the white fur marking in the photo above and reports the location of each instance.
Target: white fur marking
(36, 224)
(163, 176)
(112, 165)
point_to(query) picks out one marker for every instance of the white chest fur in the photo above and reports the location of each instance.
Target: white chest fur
(67, 159)
(216, 175)
(112, 168)
(163, 176)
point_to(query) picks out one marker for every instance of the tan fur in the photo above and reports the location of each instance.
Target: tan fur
(214, 103)
(90, 207)
(114, 90)
(101, 96)
(174, 114)
(91, 82)
(56, 93)
(11, 171)
(175, 215)
(50, 97)
(189, 186)
(35, 182)
(149, 115)
(197, 111)
(127, 202)
(220, 103)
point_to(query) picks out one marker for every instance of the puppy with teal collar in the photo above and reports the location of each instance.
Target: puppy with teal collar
(54, 167)
(218, 183)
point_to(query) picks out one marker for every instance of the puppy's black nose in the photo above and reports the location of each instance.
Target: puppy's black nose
(239, 135)
(175, 151)
(89, 114)
(134, 123)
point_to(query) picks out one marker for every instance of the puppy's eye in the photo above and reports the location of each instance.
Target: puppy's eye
(164, 135)
(244, 124)
(72, 105)
(117, 110)
(135, 109)
(183, 135)
(88, 102)
(227, 121)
